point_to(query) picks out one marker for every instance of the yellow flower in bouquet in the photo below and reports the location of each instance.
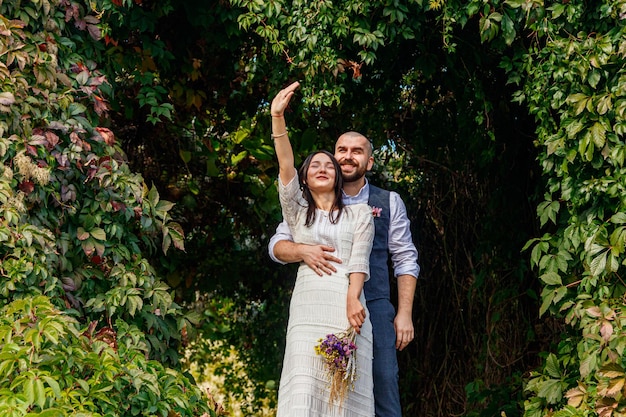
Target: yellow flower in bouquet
(339, 354)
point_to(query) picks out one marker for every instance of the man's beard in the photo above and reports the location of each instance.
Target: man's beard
(356, 175)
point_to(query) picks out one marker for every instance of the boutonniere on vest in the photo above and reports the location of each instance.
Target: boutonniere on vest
(376, 211)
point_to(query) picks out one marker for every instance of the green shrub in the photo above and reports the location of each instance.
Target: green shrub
(51, 366)
(87, 327)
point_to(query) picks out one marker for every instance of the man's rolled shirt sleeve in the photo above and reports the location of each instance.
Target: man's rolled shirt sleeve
(403, 251)
(282, 233)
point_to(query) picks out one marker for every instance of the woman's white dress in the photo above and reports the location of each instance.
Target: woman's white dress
(318, 307)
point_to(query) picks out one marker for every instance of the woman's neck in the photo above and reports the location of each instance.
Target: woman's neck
(323, 201)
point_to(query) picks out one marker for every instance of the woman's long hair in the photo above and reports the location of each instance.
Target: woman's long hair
(337, 208)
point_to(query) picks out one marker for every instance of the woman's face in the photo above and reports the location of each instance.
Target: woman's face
(321, 173)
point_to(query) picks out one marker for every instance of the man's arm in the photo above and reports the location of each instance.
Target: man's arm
(282, 235)
(284, 250)
(403, 322)
(404, 258)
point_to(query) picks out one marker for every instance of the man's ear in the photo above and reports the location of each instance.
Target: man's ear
(370, 163)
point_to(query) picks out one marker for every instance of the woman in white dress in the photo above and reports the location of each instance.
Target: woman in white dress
(312, 205)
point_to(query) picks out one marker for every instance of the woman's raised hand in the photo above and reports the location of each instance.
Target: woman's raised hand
(281, 101)
(284, 152)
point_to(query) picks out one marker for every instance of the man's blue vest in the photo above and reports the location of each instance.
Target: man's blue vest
(378, 285)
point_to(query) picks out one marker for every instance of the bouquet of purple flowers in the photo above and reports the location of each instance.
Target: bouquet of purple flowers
(339, 353)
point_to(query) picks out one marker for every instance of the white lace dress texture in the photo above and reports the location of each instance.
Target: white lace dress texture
(318, 307)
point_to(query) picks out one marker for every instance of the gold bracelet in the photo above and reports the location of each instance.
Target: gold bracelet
(280, 115)
(279, 136)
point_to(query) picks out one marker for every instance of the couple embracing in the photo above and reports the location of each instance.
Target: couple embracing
(342, 230)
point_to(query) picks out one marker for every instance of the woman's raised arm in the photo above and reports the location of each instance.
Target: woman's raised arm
(284, 152)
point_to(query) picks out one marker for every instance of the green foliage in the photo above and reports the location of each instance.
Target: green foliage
(67, 190)
(573, 80)
(332, 41)
(76, 225)
(51, 366)
(242, 346)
